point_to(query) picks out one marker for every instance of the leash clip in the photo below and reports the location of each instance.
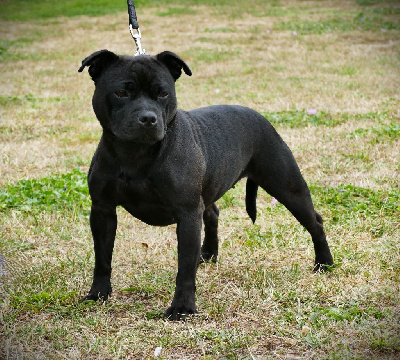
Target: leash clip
(137, 37)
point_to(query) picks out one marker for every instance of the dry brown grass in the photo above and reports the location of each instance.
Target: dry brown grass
(261, 300)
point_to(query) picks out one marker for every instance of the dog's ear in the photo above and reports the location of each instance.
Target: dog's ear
(174, 64)
(97, 62)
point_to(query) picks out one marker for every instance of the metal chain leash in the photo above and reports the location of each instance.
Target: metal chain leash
(134, 28)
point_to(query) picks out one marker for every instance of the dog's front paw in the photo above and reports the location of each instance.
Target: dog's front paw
(98, 292)
(179, 312)
(322, 266)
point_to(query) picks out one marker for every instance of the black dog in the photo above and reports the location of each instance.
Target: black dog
(167, 166)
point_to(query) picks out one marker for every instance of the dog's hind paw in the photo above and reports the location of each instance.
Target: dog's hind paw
(208, 256)
(323, 262)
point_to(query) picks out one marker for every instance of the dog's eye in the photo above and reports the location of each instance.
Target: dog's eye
(122, 93)
(163, 94)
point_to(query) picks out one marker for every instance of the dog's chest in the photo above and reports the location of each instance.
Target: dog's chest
(129, 186)
(140, 196)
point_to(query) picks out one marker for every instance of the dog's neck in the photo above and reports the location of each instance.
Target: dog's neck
(128, 153)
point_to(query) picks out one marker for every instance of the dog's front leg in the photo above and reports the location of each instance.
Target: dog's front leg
(103, 223)
(189, 240)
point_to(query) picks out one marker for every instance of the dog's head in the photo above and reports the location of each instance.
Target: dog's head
(135, 98)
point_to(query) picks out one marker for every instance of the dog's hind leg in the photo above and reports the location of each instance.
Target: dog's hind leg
(284, 181)
(209, 249)
(302, 208)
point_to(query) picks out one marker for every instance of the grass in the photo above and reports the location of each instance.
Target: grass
(24, 10)
(57, 192)
(177, 11)
(360, 22)
(331, 90)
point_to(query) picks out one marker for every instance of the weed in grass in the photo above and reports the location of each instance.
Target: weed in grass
(300, 118)
(29, 101)
(6, 101)
(303, 118)
(358, 156)
(254, 237)
(348, 70)
(40, 301)
(154, 314)
(306, 27)
(147, 285)
(320, 316)
(366, 22)
(279, 68)
(57, 192)
(9, 48)
(348, 199)
(227, 200)
(378, 134)
(6, 54)
(385, 341)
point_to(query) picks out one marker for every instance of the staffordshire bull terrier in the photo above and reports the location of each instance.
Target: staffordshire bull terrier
(168, 166)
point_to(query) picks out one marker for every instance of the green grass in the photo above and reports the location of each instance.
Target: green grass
(177, 11)
(28, 100)
(7, 101)
(66, 192)
(54, 193)
(347, 200)
(383, 10)
(375, 2)
(303, 118)
(378, 133)
(340, 24)
(7, 47)
(25, 10)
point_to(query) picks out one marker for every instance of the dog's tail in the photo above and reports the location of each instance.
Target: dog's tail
(251, 199)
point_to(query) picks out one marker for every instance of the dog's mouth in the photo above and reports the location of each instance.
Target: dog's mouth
(147, 138)
(141, 135)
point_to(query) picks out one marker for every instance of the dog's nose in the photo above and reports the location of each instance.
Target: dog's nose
(148, 119)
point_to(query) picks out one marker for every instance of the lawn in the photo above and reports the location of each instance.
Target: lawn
(325, 73)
